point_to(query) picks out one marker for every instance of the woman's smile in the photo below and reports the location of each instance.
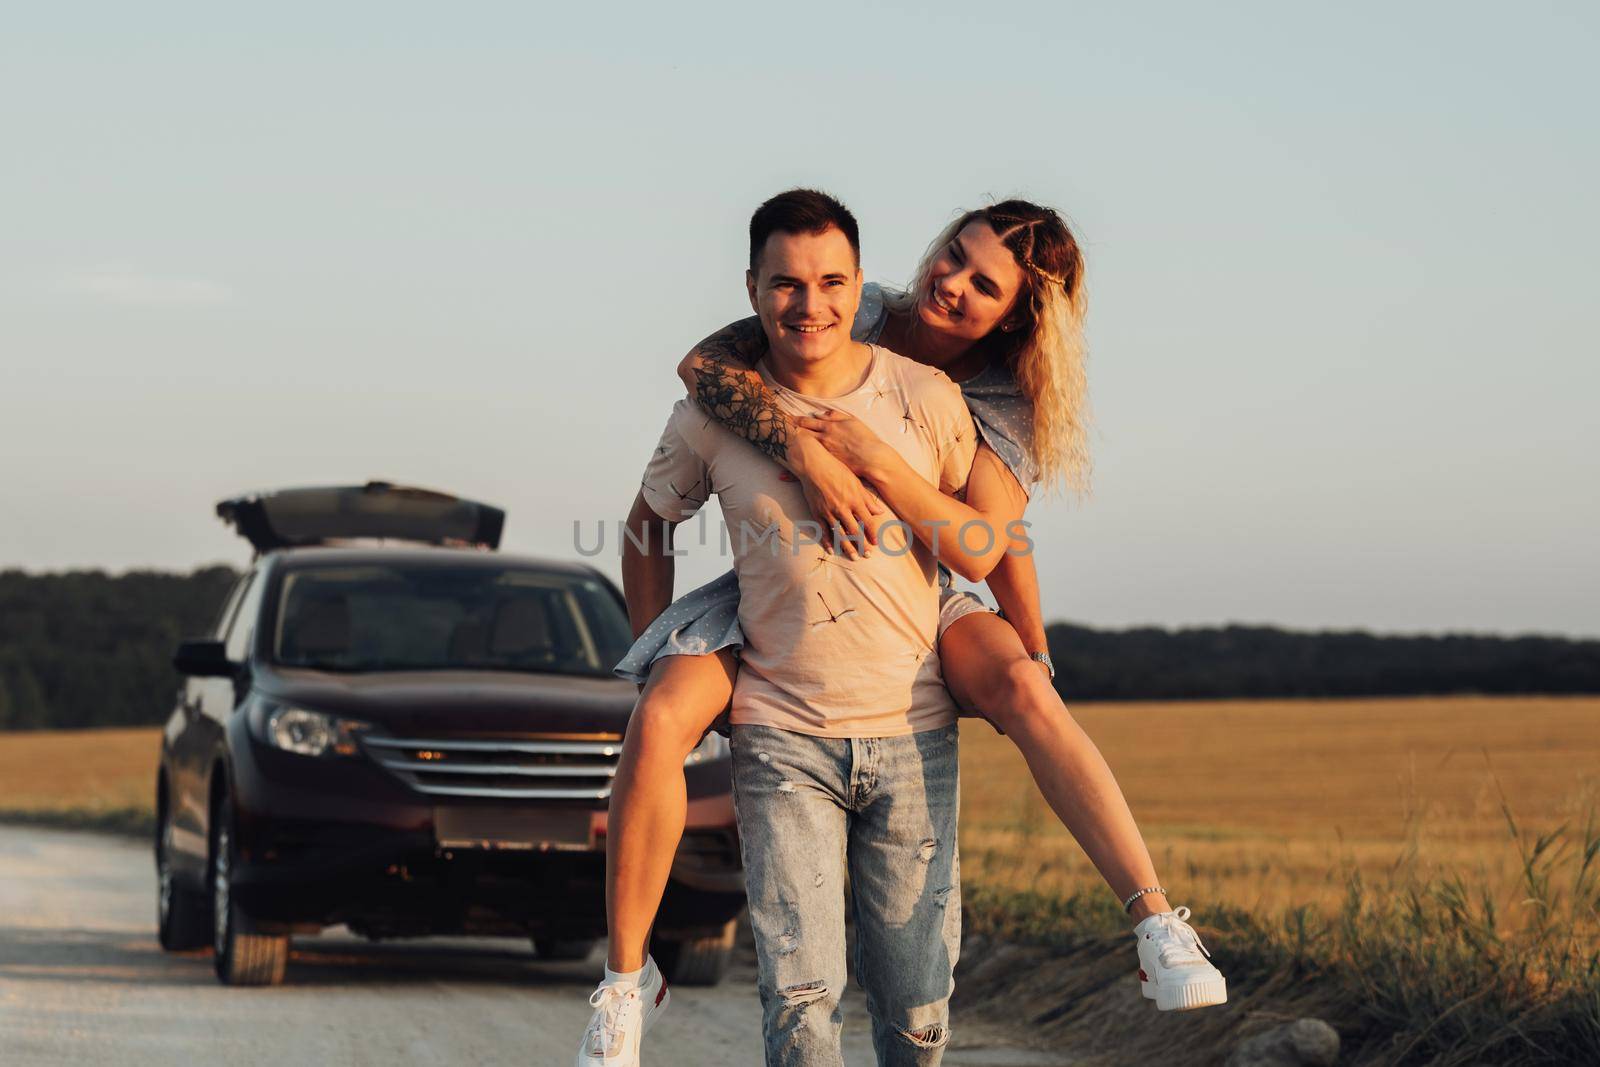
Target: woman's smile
(942, 306)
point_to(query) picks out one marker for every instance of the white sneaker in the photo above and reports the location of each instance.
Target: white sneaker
(623, 1013)
(1172, 971)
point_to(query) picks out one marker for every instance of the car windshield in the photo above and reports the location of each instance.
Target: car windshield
(425, 618)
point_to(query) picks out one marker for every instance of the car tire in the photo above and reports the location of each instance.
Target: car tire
(182, 919)
(243, 956)
(695, 960)
(563, 948)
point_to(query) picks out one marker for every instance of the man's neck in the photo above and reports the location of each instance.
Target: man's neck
(842, 372)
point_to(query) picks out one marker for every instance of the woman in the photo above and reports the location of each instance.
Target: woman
(998, 305)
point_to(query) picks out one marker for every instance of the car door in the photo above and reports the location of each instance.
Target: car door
(184, 811)
(212, 701)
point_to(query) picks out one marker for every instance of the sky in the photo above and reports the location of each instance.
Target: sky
(1340, 257)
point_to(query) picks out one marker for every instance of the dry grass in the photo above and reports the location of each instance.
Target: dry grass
(79, 771)
(1268, 805)
(1424, 873)
(1265, 805)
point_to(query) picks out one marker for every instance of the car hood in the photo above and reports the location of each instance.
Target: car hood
(460, 703)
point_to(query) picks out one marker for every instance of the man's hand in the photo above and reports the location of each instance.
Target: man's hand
(838, 501)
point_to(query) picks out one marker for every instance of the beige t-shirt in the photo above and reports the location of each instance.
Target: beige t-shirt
(833, 647)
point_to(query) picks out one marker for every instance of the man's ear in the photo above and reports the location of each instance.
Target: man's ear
(750, 290)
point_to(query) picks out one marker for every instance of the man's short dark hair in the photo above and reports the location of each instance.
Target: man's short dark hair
(801, 211)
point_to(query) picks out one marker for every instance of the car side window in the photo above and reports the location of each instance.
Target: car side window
(225, 617)
(244, 621)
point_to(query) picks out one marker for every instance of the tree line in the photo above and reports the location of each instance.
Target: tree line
(84, 648)
(1149, 663)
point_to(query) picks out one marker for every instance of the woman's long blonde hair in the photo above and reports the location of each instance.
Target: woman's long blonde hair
(1047, 353)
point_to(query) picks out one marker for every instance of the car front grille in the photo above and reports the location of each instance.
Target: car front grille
(533, 769)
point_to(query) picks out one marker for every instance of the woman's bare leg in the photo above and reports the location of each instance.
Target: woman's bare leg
(649, 798)
(989, 671)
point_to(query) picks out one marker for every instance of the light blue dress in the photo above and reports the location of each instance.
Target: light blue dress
(706, 619)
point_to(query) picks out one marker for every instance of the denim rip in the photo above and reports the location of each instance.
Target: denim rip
(880, 812)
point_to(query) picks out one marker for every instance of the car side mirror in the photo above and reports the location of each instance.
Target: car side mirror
(203, 659)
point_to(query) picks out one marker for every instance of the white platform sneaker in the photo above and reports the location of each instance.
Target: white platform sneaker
(623, 1014)
(1172, 970)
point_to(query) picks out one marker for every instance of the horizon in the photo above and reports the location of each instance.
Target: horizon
(1049, 621)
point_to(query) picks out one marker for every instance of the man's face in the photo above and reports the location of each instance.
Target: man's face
(805, 288)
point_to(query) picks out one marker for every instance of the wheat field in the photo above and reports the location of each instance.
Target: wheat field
(1270, 804)
(1260, 804)
(79, 771)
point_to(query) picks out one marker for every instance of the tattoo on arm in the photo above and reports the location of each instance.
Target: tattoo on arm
(739, 344)
(741, 401)
(733, 394)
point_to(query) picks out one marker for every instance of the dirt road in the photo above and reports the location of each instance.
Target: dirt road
(83, 981)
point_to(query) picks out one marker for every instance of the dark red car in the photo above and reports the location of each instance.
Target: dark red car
(398, 729)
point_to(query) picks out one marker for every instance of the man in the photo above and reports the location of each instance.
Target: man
(843, 733)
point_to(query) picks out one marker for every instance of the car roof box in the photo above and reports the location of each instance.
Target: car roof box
(316, 516)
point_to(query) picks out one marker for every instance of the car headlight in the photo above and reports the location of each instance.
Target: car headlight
(311, 733)
(712, 746)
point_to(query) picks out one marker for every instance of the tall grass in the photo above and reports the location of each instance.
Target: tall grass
(1411, 970)
(1450, 976)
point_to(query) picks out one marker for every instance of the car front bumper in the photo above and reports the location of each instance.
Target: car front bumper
(343, 841)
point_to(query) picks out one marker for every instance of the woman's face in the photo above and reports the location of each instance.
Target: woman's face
(972, 285)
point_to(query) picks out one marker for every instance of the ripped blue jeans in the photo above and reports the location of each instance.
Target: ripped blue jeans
(882, 810)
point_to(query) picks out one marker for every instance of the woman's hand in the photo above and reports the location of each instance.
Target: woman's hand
(848, 439)
(837, 499)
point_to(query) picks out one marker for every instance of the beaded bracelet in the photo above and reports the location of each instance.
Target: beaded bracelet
(1127, 905)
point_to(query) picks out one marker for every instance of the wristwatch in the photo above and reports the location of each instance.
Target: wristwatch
(1044, 657)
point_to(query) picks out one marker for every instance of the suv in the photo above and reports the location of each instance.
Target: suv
(410, 740)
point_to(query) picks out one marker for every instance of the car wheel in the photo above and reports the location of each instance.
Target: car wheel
(563, 948)
(695, 960)
(243, 956)
(181, 919)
